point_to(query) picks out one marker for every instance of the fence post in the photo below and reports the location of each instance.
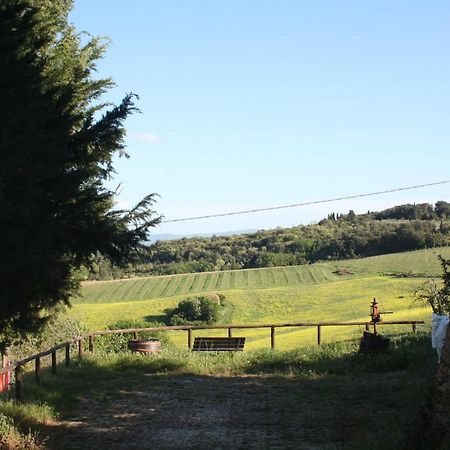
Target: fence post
(230, 332)
(272, 337)
(67, 355)
(37, 370)
(135, 335)
(91, 343)
(80, 348)
(414, 327)
(19, 383)
(318, 334)
(54, 362)
(189, 338)
(5, 361)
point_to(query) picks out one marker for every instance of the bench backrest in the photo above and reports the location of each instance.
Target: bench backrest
(218, 344)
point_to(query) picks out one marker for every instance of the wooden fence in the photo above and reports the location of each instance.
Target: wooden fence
(79, 343)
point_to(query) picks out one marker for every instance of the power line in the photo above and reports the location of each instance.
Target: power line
(315, 202)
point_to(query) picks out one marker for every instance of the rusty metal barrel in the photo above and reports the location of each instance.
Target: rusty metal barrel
(144, 346)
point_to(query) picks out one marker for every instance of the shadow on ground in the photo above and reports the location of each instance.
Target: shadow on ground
(280, 400)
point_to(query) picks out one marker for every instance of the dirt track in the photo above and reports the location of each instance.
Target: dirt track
(189, 413)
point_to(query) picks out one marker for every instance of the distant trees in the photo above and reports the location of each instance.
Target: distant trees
(442, 209)
(337, 237)
(57, 143)
(421, 211)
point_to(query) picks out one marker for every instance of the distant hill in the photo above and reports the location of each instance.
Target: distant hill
(335, 238)
(173, 237)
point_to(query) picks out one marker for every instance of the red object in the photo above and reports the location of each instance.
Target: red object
(4, 381)
(4, 377)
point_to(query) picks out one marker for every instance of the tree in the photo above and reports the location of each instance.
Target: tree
(57, 143)
(351, 216)
(201, 309)
(442, 209)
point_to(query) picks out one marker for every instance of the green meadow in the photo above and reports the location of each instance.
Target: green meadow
(415, 263)
(310, 293)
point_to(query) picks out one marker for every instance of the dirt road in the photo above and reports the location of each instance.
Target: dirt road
(189, 412)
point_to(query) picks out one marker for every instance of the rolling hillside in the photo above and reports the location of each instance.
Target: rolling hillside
(416, 263)
(276, 295)
(193, 283)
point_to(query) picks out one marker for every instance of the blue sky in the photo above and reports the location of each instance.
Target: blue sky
(251, 104)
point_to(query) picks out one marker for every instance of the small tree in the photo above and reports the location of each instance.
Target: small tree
(202, 309)
(435, 295)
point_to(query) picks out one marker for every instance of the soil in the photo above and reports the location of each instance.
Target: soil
(187, 412)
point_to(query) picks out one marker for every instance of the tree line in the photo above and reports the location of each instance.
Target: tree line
(339, 236)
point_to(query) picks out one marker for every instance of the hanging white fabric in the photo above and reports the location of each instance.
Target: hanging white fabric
(438, 331)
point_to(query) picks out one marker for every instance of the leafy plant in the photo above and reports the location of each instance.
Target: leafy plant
(57, 329)
(116, 343)
(434, 294)
(202, 309)
(12, 439)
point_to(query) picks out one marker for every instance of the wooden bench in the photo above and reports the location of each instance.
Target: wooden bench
(218, 344)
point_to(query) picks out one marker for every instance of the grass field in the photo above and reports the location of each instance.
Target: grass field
(415, 263)
(311, 293)
(194, 283)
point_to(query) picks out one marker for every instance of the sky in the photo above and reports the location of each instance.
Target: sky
(250, 104)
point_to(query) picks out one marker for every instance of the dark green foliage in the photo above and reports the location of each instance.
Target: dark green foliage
(442, 209)
(202, 309)
(422, 211)
(57, 144)
(58, 329)
(335, 238)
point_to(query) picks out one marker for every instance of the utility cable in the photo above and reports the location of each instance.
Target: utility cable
(296, 205)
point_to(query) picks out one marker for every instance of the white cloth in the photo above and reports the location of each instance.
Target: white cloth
(438, 331)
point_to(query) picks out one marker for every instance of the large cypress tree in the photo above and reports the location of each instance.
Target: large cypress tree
(57, 142)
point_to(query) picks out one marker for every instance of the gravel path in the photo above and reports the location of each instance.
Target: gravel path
(185, 412)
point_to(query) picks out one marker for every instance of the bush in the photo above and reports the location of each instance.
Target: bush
(115, 343)
(202, 309)
(430, 294)
(12, 439)
(58, 329)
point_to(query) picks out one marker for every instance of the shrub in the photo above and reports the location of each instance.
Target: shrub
(58, 329)
(202, 309)
(430, 294)
(12, 439)
(115, 343)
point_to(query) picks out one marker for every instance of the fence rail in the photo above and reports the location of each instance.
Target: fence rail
(17, 366)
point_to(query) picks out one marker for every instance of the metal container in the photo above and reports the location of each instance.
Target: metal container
(144, 346)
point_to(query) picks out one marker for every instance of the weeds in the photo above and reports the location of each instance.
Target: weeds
(12, 439)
